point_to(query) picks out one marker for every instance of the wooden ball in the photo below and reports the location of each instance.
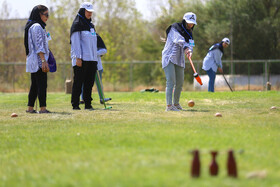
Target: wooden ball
(191, 103)
(218, 114)
(14, 115)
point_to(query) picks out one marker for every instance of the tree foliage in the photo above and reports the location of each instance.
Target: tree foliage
(252, 25)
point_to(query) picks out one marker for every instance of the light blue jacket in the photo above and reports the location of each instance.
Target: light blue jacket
(84, 46)
(37, 42)
(174, 49)
(213, 60)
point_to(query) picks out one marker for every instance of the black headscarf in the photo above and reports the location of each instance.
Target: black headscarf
(181, 28)
(100, 42)
(33, 18)
(217, 46)
(81, 23)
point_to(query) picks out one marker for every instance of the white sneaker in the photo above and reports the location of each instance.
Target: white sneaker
(171, 108)
(178, 107)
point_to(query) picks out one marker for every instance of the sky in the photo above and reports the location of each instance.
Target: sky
(22, 8)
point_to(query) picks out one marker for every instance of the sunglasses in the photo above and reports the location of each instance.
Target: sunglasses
(46, 14)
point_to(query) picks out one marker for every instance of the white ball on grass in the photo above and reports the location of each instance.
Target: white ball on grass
(13, 115)
(218, 114)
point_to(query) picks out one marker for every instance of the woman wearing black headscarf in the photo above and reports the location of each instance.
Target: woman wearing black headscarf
(37, 52)
(179, 42)
(84, 55)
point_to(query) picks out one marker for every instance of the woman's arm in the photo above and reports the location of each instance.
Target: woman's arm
(218, 59)
(76, 48)
(40, 43)
(101, 51)
(176, 37)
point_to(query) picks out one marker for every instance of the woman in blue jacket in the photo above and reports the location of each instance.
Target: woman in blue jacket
(213, 61)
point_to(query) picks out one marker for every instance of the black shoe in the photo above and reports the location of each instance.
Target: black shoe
(44, 112)
(32, 111)
(106, 99)
(76, 108)
(89, 108)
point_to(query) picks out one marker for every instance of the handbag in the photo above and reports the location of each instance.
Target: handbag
(52, 62)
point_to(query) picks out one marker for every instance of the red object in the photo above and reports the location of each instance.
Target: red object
(195, 167)
(196, 76)
(214, 168)
(231, 165)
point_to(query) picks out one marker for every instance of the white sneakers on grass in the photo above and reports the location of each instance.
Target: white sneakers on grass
(174, 108)
(178, 107)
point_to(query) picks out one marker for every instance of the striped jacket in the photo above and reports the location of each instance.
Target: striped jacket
(174, 49)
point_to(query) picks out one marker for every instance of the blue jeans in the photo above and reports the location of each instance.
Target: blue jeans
(212, 77)
(174, 80)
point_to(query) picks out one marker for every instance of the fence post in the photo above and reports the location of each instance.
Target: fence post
(131, 76)
(249, 76)
(232, 74)
(14, 78)
(64, 73)
(265, 74)
(268, 70)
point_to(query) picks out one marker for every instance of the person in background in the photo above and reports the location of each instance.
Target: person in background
(101, 50)
(179, 42)
(37, 51)
(213, 61)
(83, 40)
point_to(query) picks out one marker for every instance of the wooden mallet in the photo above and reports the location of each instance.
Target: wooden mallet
(196, 76)
(227, 83)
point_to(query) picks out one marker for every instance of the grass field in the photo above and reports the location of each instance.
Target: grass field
(137, 143)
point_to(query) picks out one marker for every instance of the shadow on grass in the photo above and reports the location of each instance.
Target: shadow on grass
(60, 113)
(110, 104)
(111, 109)
(193, 110)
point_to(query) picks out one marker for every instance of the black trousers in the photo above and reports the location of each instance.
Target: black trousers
(83, 75)
(38, 88)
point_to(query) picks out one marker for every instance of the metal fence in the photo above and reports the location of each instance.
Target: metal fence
(137, 75)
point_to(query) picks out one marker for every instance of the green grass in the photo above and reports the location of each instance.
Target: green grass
(137, 143)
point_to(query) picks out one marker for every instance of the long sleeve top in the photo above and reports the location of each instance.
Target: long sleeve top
(100, 52)
(174, 49)
(84, 46)
(37, 42)
(213, 60)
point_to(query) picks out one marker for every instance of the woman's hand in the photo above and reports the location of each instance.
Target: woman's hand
(188, 53)
(220, 70)
(45, 66)
(79, 62)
